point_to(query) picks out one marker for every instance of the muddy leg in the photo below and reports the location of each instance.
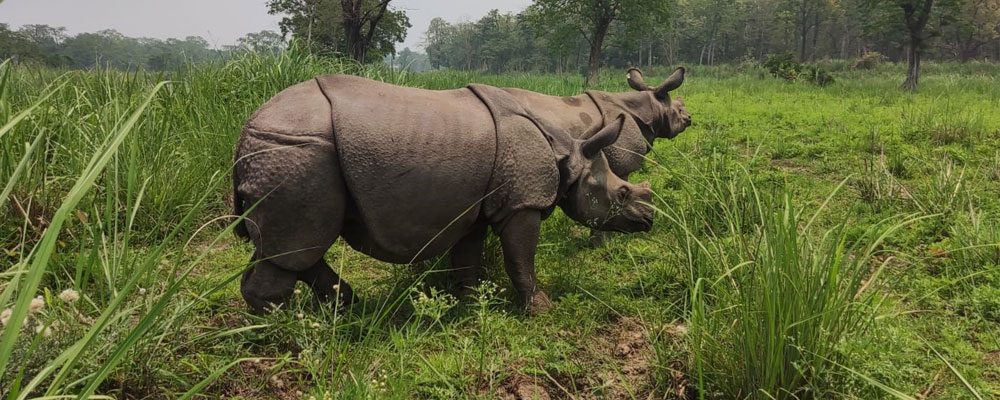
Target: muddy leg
(266, 287)
(519, 239)
(326, 284)
(467, 260)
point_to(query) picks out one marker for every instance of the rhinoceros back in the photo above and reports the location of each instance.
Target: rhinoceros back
(416, 163)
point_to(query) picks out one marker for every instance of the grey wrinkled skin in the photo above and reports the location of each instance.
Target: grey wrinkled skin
(651, 114)
(405, 174)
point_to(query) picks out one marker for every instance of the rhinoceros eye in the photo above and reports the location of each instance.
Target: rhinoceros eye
(623, 194)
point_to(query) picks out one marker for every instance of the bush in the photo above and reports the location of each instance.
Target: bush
(869, 60)
(785, 67)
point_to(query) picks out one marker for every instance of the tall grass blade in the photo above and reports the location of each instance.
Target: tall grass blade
(47, 244)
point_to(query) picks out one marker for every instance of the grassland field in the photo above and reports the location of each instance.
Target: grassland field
(837, 242)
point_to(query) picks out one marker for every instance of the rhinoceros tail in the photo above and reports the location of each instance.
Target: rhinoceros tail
(238, 209)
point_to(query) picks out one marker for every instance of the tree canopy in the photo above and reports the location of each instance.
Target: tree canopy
(365, 30)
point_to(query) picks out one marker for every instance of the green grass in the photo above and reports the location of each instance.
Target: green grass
(836, 242)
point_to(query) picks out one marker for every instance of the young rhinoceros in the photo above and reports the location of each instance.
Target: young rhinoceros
(404, 174)
(651, 112)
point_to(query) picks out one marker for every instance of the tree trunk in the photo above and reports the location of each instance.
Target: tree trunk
(803, 32)
(354, 20)
(916, 21)
(815, 43)
(912, 66)
(596, 43)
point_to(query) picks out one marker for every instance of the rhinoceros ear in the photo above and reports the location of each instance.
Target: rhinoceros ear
(604, 138)
(674, 81)
(635, 80)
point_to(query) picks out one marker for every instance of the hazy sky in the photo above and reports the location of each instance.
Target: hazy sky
(220, 22)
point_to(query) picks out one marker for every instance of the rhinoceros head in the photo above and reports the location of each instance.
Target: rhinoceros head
(671, 117)
(595, 196)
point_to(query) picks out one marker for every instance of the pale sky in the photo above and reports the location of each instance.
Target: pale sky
(220, 22)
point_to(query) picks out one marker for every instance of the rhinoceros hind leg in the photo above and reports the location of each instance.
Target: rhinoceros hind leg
(267, 287)
(326, 284)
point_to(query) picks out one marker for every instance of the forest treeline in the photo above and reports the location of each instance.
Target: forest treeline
(52, 46)
(571, 35)
(716, 31)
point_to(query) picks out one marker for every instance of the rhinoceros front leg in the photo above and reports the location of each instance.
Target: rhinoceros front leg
(326, 284)
(519, 239)
(467, 260)
(266, 286)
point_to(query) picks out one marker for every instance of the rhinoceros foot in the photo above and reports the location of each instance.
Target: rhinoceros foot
(539, 303)
(326, 284)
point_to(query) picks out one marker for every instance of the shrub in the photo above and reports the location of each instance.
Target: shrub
(771, 307)
(869, 60)
(785, 67)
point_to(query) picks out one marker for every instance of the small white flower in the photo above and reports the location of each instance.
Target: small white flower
(69, 295)
(5, 316)
(142, 291)
(298, 291)
(299, 316)
(336, 287)
(47, 330)
(36, 304)
(315, 325)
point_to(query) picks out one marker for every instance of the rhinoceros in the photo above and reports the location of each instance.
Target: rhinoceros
(651, 114)
(405, 174)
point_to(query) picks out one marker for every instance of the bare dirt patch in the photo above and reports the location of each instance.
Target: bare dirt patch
(258, 380)
(522, 387)
(993, 358)
(790, 165)
(626, 364)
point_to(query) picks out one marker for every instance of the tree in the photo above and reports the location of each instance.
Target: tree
(436, 39)
(391, 30)
(14, 45)
(48, 38)
(314, 22)
(806, 19)
(916, 15)
(593, 18)
(360, 18)
(410, 61)
(262, 42)
(974, 23)
(365, 30)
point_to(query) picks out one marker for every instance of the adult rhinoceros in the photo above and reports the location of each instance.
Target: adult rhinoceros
(404, 174)
(651, 113)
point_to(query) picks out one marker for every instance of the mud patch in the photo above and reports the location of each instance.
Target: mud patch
(993, 358)
(790, 165)
(627, 367)
(522, 387)
(258, 379)
(626, 373)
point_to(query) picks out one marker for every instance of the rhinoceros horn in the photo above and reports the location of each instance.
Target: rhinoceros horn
(674, 81)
